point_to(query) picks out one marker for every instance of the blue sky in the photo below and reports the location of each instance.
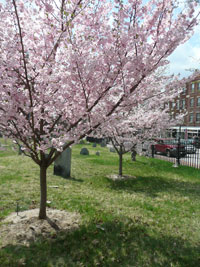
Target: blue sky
(186, 56)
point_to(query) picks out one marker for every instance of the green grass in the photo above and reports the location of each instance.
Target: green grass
(153, 220)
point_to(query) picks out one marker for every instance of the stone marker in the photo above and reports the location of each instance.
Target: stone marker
(62, 165)
(103, 143)
(133, 155)
(94, 145)
(20, 150)
(84, 151)
(112, 149)
(98, 153)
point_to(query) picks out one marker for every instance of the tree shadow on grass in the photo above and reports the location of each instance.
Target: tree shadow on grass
(74, 179)
(117, 242)
(152, 185)
(71, 178)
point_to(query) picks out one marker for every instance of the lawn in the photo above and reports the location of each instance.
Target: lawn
(150, 220)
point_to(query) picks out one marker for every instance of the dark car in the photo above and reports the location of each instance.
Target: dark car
(196, 142)
(169, 147)
(189, 145)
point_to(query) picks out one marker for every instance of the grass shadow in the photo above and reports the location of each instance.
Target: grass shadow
(151, 186)
(73, 179)
(117, 242)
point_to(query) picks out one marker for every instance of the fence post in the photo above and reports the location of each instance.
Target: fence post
(178, 152)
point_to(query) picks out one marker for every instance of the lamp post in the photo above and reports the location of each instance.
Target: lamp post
(177, 163)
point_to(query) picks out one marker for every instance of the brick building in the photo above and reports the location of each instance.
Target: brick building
(189, 102)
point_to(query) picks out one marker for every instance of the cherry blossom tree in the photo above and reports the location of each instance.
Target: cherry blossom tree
(66, 66)
(126, 134)
(143, 120)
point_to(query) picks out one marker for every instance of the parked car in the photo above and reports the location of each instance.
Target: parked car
(196, 142)
(169, 147)
(189, 145)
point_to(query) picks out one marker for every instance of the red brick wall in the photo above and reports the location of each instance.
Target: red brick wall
(188, 95)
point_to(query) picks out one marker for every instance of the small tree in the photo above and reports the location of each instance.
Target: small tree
(66, 66)
(122, 147)
(141, 122)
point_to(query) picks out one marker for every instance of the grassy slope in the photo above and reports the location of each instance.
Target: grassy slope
(149, 221)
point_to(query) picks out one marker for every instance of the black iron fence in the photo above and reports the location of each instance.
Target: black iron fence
(177, 151)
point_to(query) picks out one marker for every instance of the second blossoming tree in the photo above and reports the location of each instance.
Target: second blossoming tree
(144, 118)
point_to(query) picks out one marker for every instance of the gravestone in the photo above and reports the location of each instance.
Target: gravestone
(133, 155)
(84, 151)
(103, 143)
(19, 150)
(112, 149)
(98, 153)
(94, 145)
(62, 165)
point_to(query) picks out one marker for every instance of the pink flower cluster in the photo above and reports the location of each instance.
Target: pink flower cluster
(67, 66)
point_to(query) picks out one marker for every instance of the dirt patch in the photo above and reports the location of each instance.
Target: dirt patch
(119, 177)
(25, 227)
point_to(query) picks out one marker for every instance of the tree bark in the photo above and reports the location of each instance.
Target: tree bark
(120, 160)
(43, 192)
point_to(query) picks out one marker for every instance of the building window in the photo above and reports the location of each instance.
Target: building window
(198, 86)
(191, 117)
(183, 104)
(192, 87)
(173, 104)
(197, 117)
(184, 91)
(191, 102)
(198, 102)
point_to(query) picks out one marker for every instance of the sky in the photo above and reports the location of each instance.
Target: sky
(186, 56)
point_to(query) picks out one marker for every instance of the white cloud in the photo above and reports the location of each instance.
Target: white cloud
(186, 56)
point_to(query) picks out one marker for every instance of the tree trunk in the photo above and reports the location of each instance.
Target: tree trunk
(120, 160)
(43, 192)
